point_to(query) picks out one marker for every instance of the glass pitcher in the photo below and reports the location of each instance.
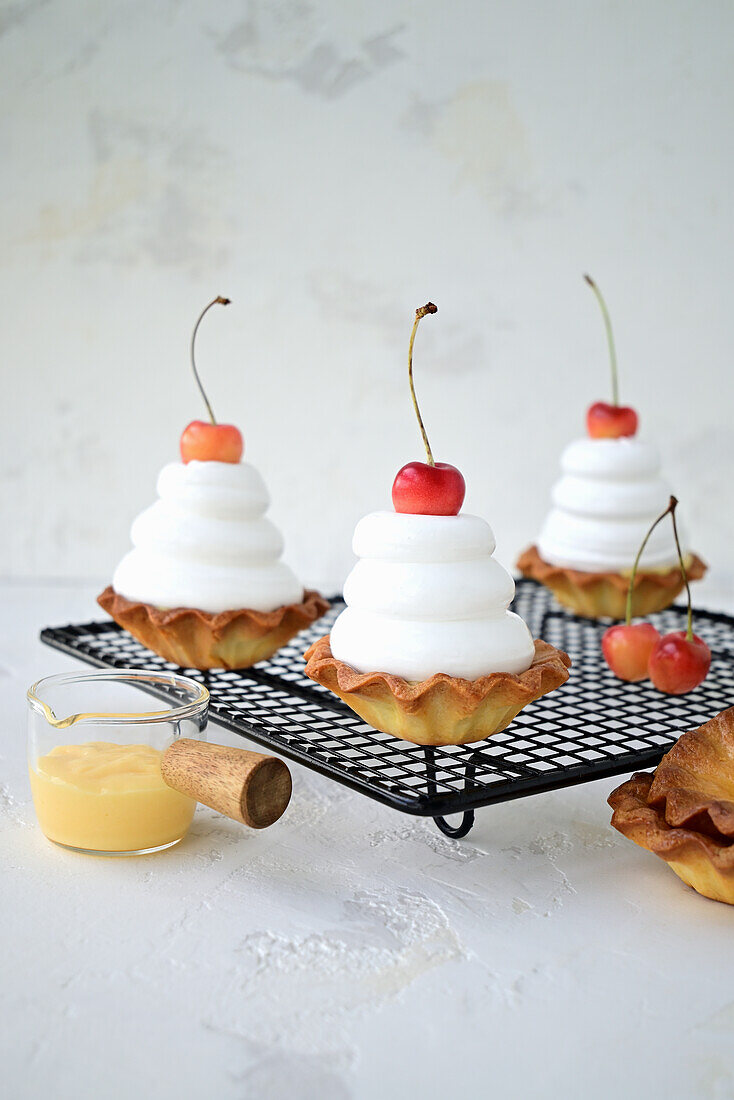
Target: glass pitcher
(95, 742)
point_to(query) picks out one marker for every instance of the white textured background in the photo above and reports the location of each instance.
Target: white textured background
(330, 166)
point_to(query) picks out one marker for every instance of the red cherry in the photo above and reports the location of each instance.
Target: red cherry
(423, 490)
(679, 664)
(426, 488)
(627, 649)
(211, 442)
(605, 421)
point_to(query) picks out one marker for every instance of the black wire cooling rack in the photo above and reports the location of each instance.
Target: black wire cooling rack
(592, 727)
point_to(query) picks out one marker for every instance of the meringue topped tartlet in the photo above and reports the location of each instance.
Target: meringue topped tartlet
(610, 492)
(204, 585)
(426, 648)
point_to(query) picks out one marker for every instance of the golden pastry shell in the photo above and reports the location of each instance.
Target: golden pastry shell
(193, 638)
(604, 595)
(684, 813)
(442, 710)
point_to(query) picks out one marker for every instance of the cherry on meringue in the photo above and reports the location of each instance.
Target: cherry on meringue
(209, 442)
(605, 421)
(426, 488)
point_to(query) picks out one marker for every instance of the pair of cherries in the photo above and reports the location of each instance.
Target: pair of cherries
(676, 662)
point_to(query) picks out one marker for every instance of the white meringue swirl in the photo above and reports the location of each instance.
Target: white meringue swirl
(207, 544)
(427, 596)
(610, 493)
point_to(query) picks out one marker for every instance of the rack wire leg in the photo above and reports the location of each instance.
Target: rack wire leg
(456, 832)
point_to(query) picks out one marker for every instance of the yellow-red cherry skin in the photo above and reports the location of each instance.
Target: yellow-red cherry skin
(677, 664)
(205, 442)
(627, 649)
(605, 421)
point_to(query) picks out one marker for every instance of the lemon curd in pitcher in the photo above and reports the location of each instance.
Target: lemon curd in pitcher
(100, 796)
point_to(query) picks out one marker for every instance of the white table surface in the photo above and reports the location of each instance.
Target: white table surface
(349, 951)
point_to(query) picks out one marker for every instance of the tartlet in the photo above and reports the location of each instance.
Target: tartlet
(604, 595)
(442, 710)
(204, 585)
(610, 490)
(427, 648)
(197, 639)
(684, 813)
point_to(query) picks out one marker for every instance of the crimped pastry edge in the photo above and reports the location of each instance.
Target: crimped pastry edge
(645, 824)
(311, 607)
(548, 670)
(532, 565)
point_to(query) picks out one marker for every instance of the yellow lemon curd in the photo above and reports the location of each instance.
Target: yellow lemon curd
(107, 798)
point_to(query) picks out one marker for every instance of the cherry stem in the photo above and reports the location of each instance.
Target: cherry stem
(218, 301)
(610, 338)
(689, 626)
(670, 510)
(419, 315)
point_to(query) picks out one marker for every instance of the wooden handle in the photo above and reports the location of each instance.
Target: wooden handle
(246, 786)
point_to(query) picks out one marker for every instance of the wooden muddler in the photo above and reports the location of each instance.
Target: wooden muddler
(246, 786)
